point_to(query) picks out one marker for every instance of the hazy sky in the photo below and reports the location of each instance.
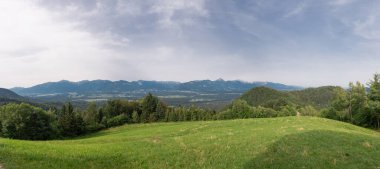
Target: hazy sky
(298, 42)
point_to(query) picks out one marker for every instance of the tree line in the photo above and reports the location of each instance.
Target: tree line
(359, 104)
(24, 121)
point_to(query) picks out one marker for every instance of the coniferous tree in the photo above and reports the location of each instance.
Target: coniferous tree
(160, 110)
(358, 102)
(90, 115)
(135, 117)
(374, 90)
(374, 101)
(69, 123)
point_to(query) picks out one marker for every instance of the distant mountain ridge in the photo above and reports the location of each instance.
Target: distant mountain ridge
(106, 86)
(213, 94)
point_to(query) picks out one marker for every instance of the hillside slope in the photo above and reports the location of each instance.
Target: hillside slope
(319, 97)
(291, 142)
(7, 96)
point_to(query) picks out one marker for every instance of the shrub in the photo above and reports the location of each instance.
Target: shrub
(23, 121)
(117, 120)
(309, 111)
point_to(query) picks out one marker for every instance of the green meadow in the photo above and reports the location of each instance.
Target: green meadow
(288, 142)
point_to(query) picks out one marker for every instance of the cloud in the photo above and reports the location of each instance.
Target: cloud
(38, 46)
(297, 10)
(340, 2)
(368, 28)
(174, 14)
(296, 42)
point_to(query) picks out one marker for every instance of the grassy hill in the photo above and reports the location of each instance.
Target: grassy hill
(319, 97)
(291, 142)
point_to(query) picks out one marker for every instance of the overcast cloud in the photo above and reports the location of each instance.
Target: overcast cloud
(299, 42)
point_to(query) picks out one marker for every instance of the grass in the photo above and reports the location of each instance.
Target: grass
(290, 142)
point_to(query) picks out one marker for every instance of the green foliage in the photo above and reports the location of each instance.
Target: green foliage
(160, 110)
(317, 97)
(152, 109)
(287, 110)
(144, 117)
(188, 114)
(339, 109)
(240, 109)
(117, 120)
(354, 105)
(374, 90)
(278, 104)
(309, 111)
(135, 117)
(259, 96)
(357, 106)
(149, 104)
(23, 121)
(70, 123)
(91, 114)
(116, 107)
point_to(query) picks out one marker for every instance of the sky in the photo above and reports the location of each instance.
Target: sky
(296, 42)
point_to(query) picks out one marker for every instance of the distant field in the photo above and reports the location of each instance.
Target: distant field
(291, 142)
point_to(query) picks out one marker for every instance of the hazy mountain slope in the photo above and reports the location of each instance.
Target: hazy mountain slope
(7, 96)
(221, 85)
(5, 93)
(96, 86)
(204, 93)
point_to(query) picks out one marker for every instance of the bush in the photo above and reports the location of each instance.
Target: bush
(262, 112)
(23, 121)
(287, 111)
(117, 120)
(309, 111)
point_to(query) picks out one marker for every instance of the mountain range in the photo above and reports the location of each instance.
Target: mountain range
(106, 86)
(203, 93)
